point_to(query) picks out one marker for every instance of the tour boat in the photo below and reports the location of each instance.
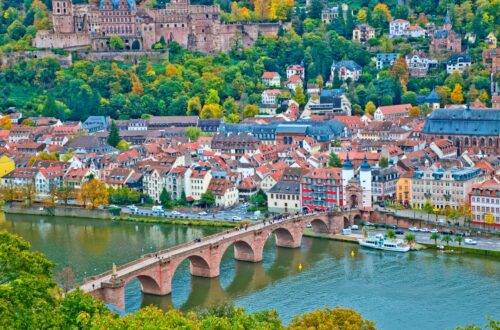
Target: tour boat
(380, 243)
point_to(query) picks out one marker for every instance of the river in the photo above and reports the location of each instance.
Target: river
(417, 290)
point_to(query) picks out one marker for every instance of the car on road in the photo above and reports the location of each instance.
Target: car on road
(424, 230)
(470, 241)
(413, 229)
(175, 213)
(202, 213)
(434, 231)
(446, 232)
(354, 227)
(441, 221)
(399, 232)
(236, 218)
(133, 208)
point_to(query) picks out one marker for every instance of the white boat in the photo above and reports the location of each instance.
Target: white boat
(380, 243)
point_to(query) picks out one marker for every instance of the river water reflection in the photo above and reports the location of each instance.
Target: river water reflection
(422, 290)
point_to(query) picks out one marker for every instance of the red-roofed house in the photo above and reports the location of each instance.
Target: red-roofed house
(271, 79)
(294, 82)
(390, 112)
(226, 194)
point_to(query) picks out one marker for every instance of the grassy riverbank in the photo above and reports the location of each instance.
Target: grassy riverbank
(185, 222)
(465, 250)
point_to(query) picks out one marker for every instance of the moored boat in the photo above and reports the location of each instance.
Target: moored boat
(379, 242)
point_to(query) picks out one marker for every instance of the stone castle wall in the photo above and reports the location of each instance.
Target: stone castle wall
(47, 39)
(195, 27)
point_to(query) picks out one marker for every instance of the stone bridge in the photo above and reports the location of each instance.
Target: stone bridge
(156, 270)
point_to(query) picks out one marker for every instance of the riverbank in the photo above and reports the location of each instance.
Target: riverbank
(98, 214)
(418, 246)
(185, 222)
(464, 250)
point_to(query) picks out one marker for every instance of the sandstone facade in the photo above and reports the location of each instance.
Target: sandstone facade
(192, 26)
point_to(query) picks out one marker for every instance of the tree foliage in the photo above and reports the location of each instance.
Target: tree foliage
(94, 193)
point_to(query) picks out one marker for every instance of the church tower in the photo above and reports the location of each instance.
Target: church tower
(365, 179)
(62, 16)
(347, 174)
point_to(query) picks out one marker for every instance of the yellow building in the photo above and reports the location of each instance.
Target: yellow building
(403, 189)
(7, 165)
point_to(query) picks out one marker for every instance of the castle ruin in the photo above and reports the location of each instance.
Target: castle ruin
(194, 27)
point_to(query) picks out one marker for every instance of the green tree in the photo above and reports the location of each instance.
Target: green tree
(193, 133)
(250, 110)
(383, 162)
(114, 136)
(123, 196)
(435, 237)
(391, 234)
(28, 294)
(410, 238)
(16, 30)
(123, 145)
(459, 239)
(315, 9)
(337, 318)
(116, 43)
(299, 96)
(165, 199)
(193, 106)
(447, 239)
(207, 199)
(258, 202)
(334, 160)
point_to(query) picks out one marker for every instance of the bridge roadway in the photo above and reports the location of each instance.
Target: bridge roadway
(156, 270)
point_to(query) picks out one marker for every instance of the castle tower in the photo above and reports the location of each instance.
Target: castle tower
(347, 174)
(447, 21)
(365, 179)
(62, 16)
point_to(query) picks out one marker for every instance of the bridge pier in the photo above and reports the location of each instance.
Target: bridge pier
(113, 293)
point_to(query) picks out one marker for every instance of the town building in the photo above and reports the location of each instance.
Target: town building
(331, 102)
(444, 188)
(404, 189)
(345, 70)
(225, 192)
(385, 60)
(362, 33)
(466, 128)
(398, 28)
(458, 62)
(284, 196)
(392, 112)
(321, 189)
(328, 14)
(384, 183)
(296, 70)
(445, 40)
(271, 79)
(419, 63)
(484, 200)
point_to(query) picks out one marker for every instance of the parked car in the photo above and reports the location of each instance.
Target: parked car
(413, 229)
(446, 232)
(399, 232)
(470, 241)
(175, 213)
(354, 227)
(157, 208)
(434, 230)
(236, 218)
(346, 231)
(424, 230)
(202, 213)
(133, 208)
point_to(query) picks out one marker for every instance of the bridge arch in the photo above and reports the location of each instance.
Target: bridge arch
(318, 225)
(286, 237)
(243, 251)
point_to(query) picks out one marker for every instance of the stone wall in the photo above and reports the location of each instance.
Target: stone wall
(131, 57)
(8, 59)
(48, 39)
(73, 212)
